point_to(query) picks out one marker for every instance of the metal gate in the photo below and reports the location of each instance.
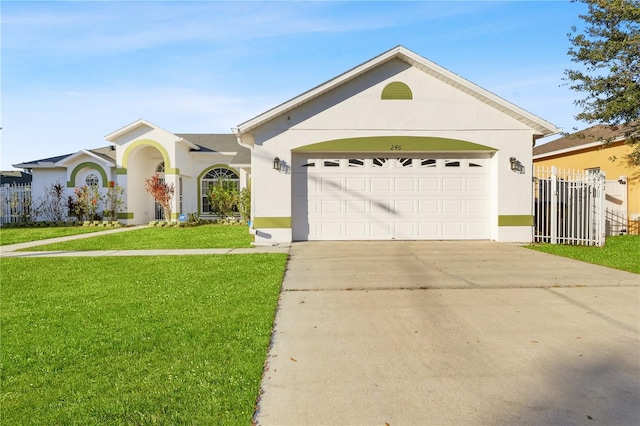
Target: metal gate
(15, 203)
(568, 206)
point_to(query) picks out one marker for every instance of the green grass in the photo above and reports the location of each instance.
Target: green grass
(208, 236)
(620, 252)
(23, 235)
(141, 340)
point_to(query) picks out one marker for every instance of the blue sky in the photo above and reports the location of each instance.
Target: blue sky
(73, 72)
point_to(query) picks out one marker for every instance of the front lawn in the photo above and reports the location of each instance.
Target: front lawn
(119, 340)
(23, 235)
(197, 237)
(619, 252)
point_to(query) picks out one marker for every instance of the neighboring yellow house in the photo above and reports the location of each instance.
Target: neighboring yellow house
(585, 151)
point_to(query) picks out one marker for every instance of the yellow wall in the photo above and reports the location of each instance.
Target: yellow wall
(599, 157)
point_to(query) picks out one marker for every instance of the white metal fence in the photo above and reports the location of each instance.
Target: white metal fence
(568, 206)
(15, 203)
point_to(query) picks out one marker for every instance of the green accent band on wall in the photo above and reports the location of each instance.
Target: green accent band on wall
(125, 215)
(515, 220)
(87, 165)
(396, 90)
(395, 144)
(272, 222)
(174, 216)
(121, 171)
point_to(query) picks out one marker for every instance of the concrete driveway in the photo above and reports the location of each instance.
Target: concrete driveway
(422, 333)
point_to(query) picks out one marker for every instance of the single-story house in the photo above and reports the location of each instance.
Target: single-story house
(395, 148)
(586, 151)
(191, 162)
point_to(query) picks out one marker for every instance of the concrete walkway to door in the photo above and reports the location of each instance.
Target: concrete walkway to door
(422, 333)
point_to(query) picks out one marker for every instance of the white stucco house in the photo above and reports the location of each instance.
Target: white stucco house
(395, 148)
(190, 161)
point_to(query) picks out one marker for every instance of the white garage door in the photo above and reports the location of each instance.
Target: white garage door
(384, 198)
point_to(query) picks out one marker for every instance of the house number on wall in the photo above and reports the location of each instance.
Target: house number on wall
(396, 148)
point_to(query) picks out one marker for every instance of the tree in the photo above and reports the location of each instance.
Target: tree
(54, 204)
(87, 202)
(113, 200)
(608, 50)
(162, 192)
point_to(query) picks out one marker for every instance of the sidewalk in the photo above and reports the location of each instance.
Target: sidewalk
(11, 249)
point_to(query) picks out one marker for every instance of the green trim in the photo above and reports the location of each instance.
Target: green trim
(87, 165)
(515, 220)
(396, 90)
(272, 222)
(125, 215)
(394, 144)
(174, 216)
(204, 172)
(121, 171)
(168, 170)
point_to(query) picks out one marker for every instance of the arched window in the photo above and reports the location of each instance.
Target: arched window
(210, 179)
(160, 168)
(92, 179)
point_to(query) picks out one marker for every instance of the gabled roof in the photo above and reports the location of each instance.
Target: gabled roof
(588, 138)
(113, 136)
(105, 153)
(541, 127)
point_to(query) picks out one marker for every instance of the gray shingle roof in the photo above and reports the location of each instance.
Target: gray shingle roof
(219, 143)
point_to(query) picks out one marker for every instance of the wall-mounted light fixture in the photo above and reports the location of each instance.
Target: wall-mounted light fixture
(516, 166)
(622, 180)
(277, 165)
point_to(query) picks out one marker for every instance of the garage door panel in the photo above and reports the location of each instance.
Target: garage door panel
(431, 184)
(404, 184)
(452, 206)
(356, 229)
(381, 229)
(331, 184)
(404, 207)
(355, 207)
(380, 184)
(476, 184)
(426, 207)
(384, 198)
(452, 229)
(330, 207)
(452, 184)
(356, 184)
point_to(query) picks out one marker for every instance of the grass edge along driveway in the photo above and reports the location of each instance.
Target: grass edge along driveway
(168, 340)
(197, 237)
(619, 252)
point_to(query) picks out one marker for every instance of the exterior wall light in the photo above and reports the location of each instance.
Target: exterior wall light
(277, 165)
(516, 166)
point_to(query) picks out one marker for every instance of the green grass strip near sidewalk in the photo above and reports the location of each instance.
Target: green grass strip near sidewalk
(620, 252)
(23, 235)
(162, 340)
(197, 237)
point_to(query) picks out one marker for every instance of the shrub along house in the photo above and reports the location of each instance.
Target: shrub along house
(395, 148)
